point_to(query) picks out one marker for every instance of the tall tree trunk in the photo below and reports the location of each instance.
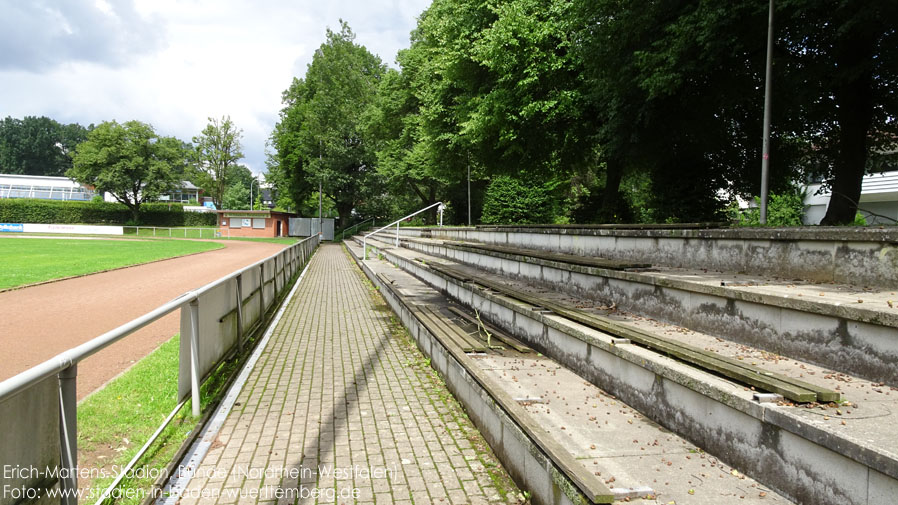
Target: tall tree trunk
(344, 209)
(854, 96)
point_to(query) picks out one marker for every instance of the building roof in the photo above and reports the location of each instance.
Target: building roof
(38, 180)
(880, 187)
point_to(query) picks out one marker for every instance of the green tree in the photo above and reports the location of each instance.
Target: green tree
(393, 125)
(680, 84)
(217, 150)
(38, 145)
(319, 138)
(844, 56)
(129, 161)
(236, 197)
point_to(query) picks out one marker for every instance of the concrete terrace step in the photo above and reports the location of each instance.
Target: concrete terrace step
(841, 327)
(863, 256)
(596, 441)
(821, 454)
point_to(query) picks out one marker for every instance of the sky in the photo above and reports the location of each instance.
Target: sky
(175, 63)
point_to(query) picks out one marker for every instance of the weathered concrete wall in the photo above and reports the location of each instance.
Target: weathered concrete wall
(853, 340)
(29, 450)
(809, 464)
(861, 256)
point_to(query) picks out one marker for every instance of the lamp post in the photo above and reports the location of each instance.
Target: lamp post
(768, 79)
(469, 196)
(320, 189)
(251, 192)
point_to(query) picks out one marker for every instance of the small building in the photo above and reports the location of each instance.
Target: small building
(253, 223)
(43, 187)
(878, 203)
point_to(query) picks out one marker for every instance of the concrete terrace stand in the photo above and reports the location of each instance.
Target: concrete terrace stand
(821, 324)
(860, 256)
(801, 455)
(561, 438)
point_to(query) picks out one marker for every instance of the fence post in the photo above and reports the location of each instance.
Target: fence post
(239, 313)
(195, 356)
(262, 292)
(68, 434)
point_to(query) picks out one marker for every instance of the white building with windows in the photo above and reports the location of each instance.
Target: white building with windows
(43, 187)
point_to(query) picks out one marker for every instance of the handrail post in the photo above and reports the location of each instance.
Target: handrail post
(262, 292)
(239, 280)
(195, 356)
(397, 234)
(68, 433)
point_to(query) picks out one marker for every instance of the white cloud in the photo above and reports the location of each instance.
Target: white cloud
(176, 62)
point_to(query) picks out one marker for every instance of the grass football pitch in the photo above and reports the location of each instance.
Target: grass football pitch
(26, 261)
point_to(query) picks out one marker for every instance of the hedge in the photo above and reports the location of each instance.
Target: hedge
(28, 210)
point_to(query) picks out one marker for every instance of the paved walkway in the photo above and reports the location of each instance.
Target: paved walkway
(342, 406)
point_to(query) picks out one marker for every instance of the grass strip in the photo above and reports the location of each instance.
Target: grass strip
(115, 422)
(28, 261)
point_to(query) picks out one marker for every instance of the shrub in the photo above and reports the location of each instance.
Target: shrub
(55, 212)
(513, 201)
(784, 209)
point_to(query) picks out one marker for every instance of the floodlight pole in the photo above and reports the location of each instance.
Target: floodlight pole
(251, 192)
(469, 194)
(768, 80)
(319, 191)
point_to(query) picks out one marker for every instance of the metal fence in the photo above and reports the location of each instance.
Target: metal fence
(188, 232)
(38, 428)
(308, 226)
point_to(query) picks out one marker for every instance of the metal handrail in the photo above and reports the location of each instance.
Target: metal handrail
(343, 235)
(396, 222)
(64, 365)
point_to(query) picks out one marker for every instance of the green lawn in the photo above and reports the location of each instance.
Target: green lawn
(27, 261)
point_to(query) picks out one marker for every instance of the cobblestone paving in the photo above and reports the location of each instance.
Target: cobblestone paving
(342, 408)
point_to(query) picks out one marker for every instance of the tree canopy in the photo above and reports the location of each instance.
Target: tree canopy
(617, 111)
(217, 151)
(129, 161)
(320, 137)
(38, 145)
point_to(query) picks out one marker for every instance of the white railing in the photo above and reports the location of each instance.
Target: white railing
(355, 227)
(396, 222)
(186, 232)
(214, 320)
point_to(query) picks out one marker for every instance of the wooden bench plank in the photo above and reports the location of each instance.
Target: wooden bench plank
(790, 388)
(498, 334)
